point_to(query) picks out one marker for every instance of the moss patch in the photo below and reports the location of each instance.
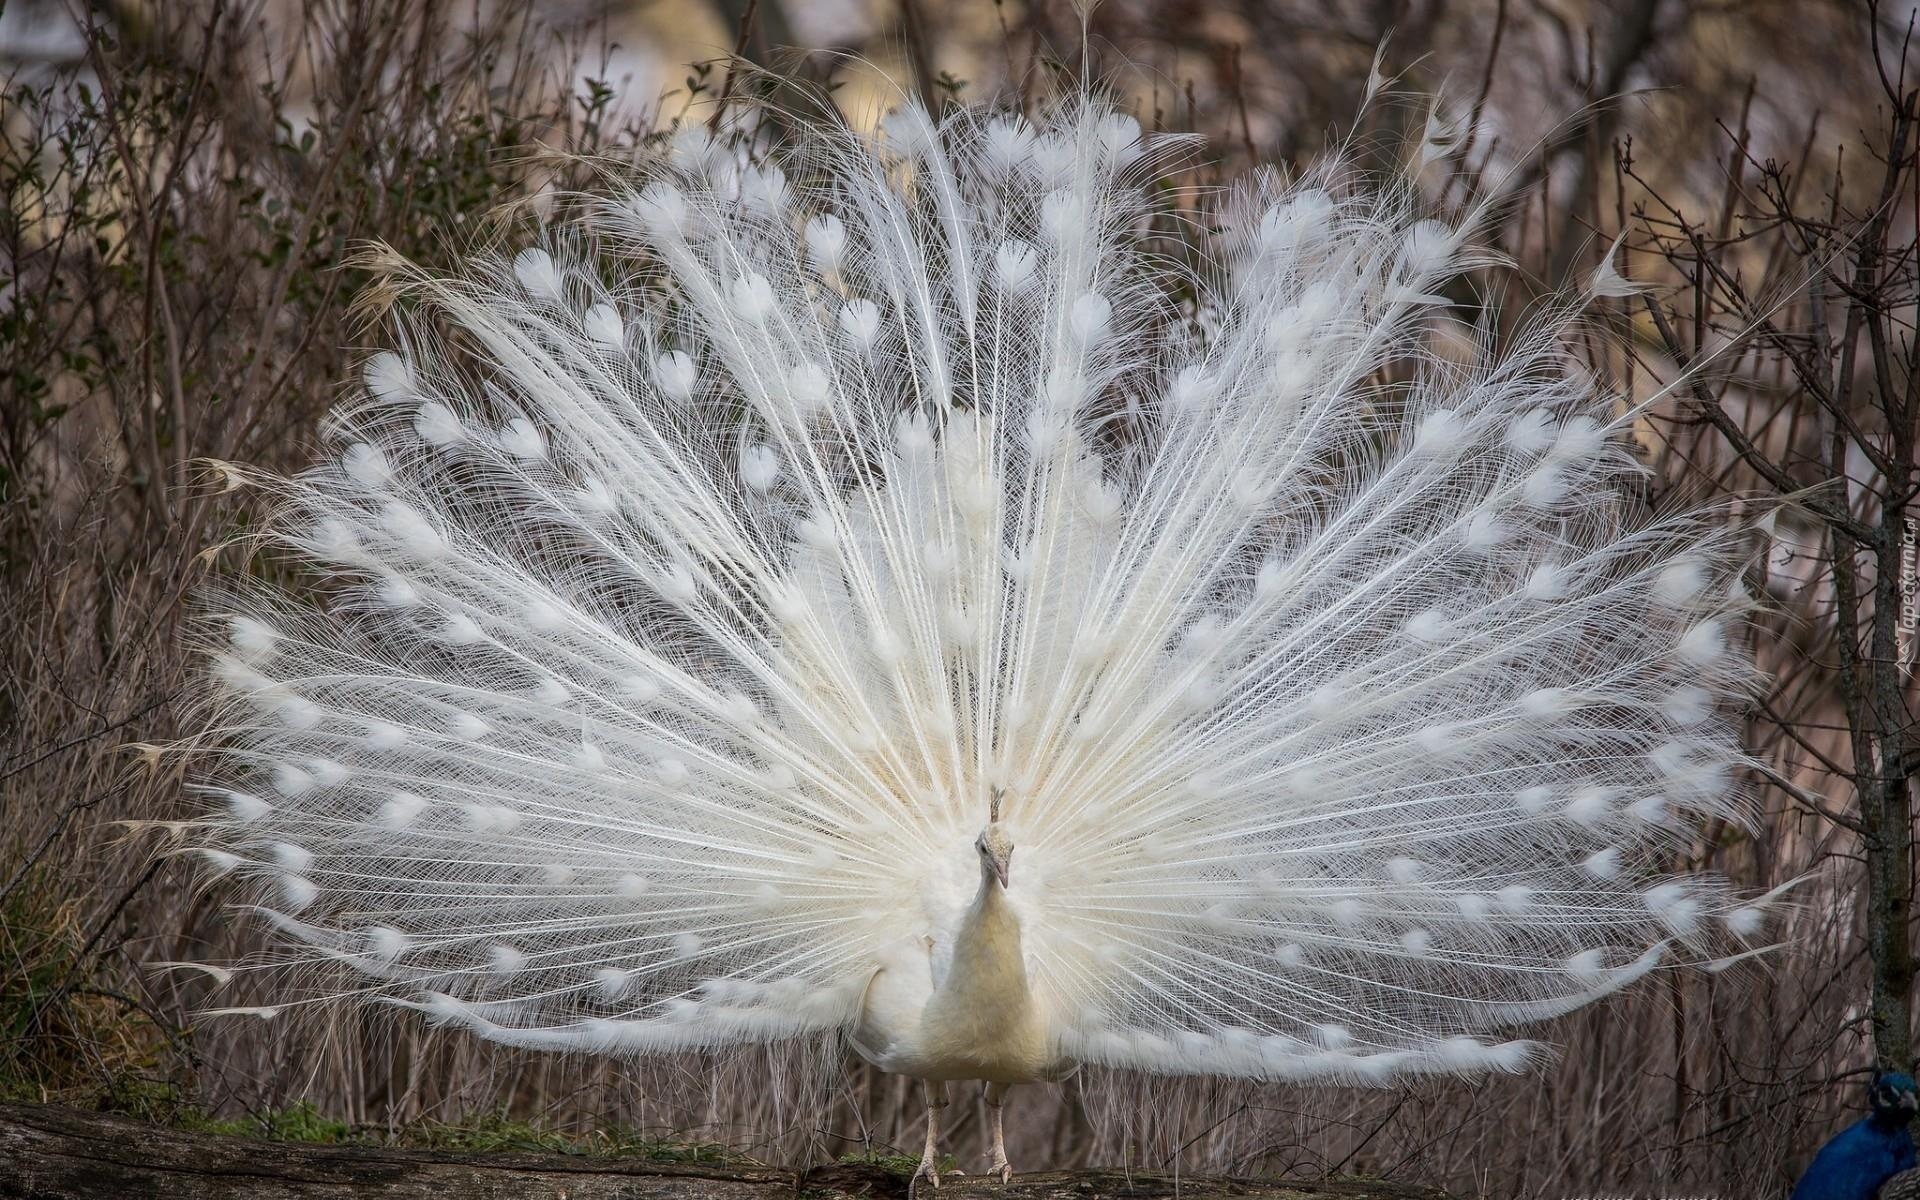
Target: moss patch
(898, 1164)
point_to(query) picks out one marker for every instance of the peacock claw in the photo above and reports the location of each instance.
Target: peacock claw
(1002, 1168)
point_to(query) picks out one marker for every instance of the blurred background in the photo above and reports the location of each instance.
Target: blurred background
(183, 186)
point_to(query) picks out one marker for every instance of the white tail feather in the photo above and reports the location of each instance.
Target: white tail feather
(675, 639)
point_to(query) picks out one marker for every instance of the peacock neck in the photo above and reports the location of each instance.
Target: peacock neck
(990, 903)
(988, 965)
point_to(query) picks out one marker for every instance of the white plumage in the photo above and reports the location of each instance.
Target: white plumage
(689, 588)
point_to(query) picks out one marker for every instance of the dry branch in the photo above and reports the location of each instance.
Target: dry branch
(60, 1154)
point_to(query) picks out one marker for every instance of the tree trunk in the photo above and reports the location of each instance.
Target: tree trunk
(1876, 705)
(60, 1154)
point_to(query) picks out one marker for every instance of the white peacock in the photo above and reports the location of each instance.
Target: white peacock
(944, 591)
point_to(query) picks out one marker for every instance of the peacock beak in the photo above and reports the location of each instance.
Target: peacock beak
(1000, 868)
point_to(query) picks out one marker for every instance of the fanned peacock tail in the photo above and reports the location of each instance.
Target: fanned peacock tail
(682, 589)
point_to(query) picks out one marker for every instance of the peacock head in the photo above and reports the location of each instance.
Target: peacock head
(994, 843)
(1894, 1096)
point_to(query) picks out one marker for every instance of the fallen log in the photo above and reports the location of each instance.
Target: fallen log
(51, 1153)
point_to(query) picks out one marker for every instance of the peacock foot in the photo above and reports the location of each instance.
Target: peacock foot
(1002, 1168)
(927, 1171)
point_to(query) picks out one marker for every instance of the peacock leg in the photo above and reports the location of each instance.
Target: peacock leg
(936, 1100)
(997, 1108)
